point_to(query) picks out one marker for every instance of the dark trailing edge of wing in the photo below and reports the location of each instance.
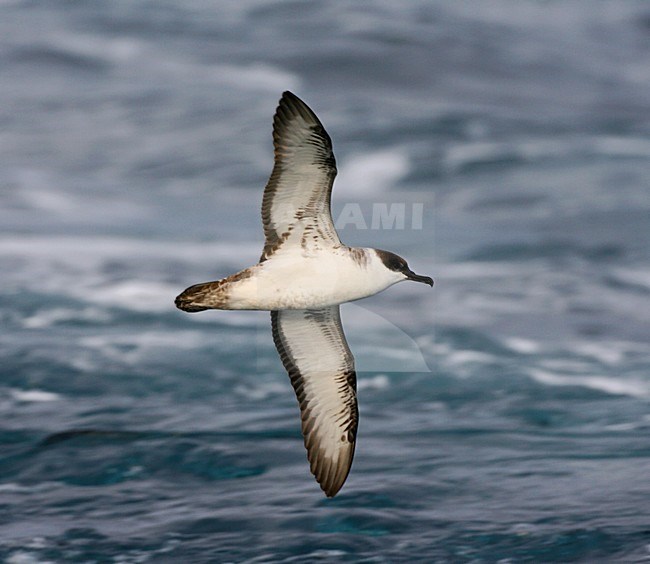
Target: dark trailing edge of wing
(296, 131)
(330, 474)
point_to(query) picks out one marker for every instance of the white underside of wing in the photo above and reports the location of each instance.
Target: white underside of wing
(297, 195)
(313, 349)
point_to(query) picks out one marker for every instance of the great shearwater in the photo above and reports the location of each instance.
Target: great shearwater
(303, 275)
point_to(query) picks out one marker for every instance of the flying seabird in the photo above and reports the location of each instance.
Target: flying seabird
(303, 275)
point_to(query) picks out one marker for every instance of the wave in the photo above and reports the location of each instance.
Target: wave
(111, 271)
(372, 173)
(609, 385)
(469, 156)
(34, 396)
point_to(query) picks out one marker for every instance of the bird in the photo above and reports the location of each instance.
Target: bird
(303, 275)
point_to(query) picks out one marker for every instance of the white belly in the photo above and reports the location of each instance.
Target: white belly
(295, 282)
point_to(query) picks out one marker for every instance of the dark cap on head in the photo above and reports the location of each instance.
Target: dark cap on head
(398, 264)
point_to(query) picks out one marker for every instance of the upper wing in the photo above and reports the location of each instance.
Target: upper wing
(297, 195)
(314, 351)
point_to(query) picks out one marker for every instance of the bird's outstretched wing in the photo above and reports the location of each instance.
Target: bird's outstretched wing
(296, 204)
(313, 349)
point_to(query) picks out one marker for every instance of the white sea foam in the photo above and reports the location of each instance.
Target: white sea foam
(35, 396)
(138, 55)
(480, 152)
(464, 357)
(257, 76)
(52, 201)
(636, 276)
(378, 382)
(522, 346)
(48, 317)
(112, 49)
(24, 557)
(81, 268)
(133, 347)
(476, 269)
(623, 426)
(565, 364)
(263, 390)
(458, 156)
(41, 191)
(93, 250)
(607, 353)
(578, 355)
(372, 173)
(12, 487)
(136, 295)
(609, 385)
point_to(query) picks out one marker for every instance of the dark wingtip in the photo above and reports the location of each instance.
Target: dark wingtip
(332, 491)
(289, 97)
(331, 476)
(331, 485)
(291, 105)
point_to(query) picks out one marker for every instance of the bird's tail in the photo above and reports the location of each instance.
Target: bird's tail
(200, 297)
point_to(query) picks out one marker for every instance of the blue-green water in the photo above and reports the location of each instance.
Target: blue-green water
(505, 414)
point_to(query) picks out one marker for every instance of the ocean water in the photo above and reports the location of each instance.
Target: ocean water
(505, 414)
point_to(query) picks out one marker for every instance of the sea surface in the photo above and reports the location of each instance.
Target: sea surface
(505, 413)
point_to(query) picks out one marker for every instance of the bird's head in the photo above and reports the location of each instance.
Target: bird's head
(397, 264)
